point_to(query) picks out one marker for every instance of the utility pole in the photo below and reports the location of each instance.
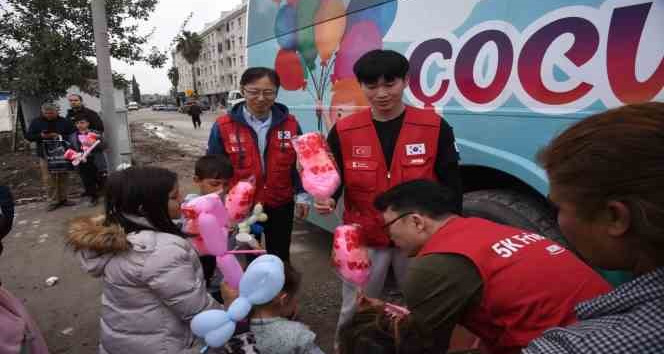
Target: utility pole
(116, 132)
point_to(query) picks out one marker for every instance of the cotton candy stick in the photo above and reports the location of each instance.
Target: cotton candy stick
(349, 257)
(239, 200)
(319, 173)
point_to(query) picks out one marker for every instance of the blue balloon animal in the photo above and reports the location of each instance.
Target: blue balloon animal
(261, 282)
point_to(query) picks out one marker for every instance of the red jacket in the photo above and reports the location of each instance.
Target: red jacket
(275, 186)
(366, 174)
(530, 283)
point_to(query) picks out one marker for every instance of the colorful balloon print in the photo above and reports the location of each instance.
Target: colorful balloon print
(380, 12)
(285, 27)
(289, 67)
(330, 28)
(306, 42)
(362, 38)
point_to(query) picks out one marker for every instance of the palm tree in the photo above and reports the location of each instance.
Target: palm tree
(189, 45)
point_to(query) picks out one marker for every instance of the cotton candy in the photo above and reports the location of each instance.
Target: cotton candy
(319, 174)
(239, 200)
(349, 257)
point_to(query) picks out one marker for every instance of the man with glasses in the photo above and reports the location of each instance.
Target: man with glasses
(382, 146)
(255, 135)
(503, 284)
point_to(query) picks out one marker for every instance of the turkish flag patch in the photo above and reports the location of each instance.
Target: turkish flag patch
(361, 151)
(415, 149)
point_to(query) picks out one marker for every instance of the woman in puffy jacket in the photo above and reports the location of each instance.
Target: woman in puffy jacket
(153, 281)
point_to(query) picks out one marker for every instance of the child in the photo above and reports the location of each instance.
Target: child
(93, 171)
(275, 333)
(380, 328)
(152, 279)
(212, 174)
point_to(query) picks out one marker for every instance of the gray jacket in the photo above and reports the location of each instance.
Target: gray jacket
(153, 286)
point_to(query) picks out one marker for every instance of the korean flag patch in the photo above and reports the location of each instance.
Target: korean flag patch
(284, 135)
(415, 149)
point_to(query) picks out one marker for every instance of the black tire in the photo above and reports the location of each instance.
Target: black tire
(515, 209)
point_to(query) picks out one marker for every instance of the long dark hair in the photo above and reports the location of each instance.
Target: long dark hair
(143, 192)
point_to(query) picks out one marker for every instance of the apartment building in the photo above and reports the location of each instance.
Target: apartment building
(222, 59)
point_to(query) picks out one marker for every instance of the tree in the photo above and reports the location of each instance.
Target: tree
(174, 77)
(189, 45)
(45, 45)
(135, 90)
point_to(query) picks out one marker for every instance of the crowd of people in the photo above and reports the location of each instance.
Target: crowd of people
(78, 131)
(514, 290)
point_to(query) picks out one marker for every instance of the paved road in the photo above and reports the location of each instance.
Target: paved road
(68, 313)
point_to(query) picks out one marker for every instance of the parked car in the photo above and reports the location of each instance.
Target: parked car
(170, 108)
(132, 106)
(234, 97)
(158, 107)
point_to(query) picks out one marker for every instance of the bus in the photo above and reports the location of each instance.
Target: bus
(507, 75)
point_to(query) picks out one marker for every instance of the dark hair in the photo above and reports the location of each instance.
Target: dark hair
(143, 192)
(422, 196)
(213, 166)
(371, 330)
(614, 155)
(380, 63)
(252, 74)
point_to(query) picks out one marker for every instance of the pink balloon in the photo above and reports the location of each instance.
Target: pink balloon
(231, 269)
(319, 173)
(239, 200)
(349, 257)
(363, 37)
(207, 216)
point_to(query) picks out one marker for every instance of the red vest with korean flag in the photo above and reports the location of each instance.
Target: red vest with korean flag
(530, 283)
(274, 187)
(366, 174)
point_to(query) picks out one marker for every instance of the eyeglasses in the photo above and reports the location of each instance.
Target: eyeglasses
(258, 93)
(387, 225)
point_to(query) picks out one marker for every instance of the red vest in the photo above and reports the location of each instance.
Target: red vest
(530, 283)
(366, 174)
(275, 186)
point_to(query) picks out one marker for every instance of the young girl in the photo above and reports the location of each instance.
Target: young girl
(270, 323)
(152, 280)
(94, 170)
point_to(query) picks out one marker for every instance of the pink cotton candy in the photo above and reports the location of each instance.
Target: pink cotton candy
(208, 216)
(239, 200)
(70, 154)
(349, 257)
(319, 173)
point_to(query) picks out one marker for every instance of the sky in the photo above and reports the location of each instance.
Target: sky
(167, 19)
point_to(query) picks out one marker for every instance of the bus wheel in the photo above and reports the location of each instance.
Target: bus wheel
(515, 209)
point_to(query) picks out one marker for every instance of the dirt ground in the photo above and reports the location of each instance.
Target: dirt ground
(68, 313)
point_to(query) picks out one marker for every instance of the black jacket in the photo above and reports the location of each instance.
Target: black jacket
(91, 116)
(60, 125)
(97, 156)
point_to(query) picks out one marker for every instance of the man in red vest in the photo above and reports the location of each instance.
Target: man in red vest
(256, 136)
(378, 148)
(504, 284)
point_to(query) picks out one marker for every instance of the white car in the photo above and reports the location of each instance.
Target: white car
(132, 106)
(234, 97)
